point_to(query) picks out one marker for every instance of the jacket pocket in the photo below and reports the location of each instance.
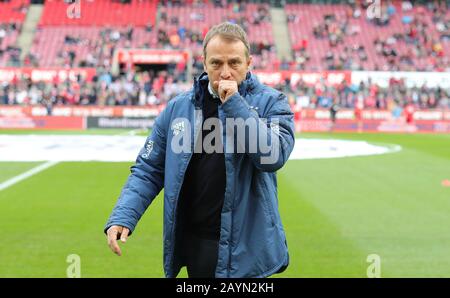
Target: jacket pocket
(266, 200)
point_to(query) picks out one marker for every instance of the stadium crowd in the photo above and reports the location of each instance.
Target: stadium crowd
(369, 94)
(133, 88)
(155, 88)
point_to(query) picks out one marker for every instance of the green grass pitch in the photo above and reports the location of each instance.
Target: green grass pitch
(335, 212)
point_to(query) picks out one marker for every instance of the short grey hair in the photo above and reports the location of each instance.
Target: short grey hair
(228, 31)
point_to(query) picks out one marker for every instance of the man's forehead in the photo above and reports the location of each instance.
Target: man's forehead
(219, 40)
(225, 46)
(224, 57)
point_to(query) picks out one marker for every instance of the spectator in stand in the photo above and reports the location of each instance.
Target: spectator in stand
(334, 108)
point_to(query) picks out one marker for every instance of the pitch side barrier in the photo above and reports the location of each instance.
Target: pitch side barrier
(306, 120)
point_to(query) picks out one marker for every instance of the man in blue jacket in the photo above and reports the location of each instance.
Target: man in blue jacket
(215, 150)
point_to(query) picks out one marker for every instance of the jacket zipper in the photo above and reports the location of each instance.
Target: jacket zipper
(232, 202)
(178, 194)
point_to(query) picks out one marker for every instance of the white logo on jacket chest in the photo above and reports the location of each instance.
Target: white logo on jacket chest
(178, 127)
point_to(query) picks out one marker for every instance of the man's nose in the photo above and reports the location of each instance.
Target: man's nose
(225, 73)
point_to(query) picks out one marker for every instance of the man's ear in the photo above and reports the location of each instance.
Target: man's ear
(204, 63)
(249, 62)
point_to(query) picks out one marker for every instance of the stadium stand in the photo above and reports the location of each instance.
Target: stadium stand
(9, 54)
(13, 11)
(12, 16)
(185, 28)
(254, 18)
(101, 13)
(406, 37)
(85, 46)
(342, 36)
(90, 40)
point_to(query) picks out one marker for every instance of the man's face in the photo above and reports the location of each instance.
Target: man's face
(226, 60)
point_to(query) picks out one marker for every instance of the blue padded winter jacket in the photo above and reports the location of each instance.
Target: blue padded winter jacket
(252, 239)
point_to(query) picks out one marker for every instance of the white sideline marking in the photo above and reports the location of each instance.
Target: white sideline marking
(132, 132)
(27, 174)
(333, 148)
(49, 164)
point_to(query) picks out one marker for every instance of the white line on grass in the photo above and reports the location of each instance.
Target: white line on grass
(27, 174)
(132, 132)
(47, 165)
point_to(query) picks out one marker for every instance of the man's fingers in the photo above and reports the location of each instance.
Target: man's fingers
(124, 235)
(115, 247)
(112, 240)
(216, 84)
(227, 88)
(221, 89)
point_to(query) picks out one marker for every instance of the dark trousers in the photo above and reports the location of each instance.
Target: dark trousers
(201, 256)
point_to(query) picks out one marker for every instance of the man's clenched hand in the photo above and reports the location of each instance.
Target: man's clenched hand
(226, 89)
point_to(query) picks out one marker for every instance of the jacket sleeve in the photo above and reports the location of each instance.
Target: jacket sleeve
(145, 181)
(275, 132)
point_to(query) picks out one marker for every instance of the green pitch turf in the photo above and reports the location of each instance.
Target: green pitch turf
(335, 212)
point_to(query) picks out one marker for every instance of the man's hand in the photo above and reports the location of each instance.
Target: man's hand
(225, 89)
(115, 233)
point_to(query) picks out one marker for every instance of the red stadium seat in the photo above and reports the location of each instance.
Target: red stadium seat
(101, 13)
(13, 11)
(310, 15)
